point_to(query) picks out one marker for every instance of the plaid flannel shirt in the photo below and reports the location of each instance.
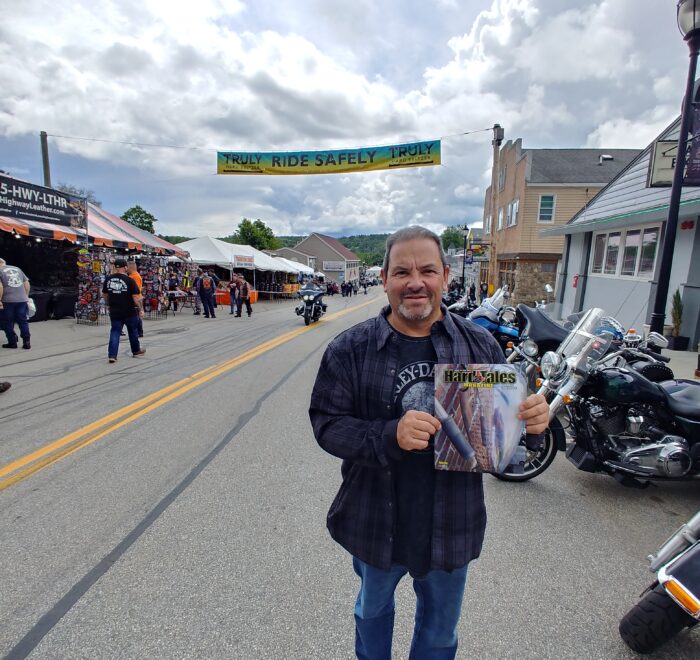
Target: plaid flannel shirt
(352, 414)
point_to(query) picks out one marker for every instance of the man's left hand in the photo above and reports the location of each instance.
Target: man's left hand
(535, 412)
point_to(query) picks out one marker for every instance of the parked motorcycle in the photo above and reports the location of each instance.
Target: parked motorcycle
(312, 307)
(498, 318)
(624, 424)
(672, 601)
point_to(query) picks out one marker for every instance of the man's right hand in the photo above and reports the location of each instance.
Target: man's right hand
(415, 428)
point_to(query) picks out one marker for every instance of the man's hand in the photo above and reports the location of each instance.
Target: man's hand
(535, 411)
(414, 430)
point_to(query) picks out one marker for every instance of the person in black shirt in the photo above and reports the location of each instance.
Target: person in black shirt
(123, 298)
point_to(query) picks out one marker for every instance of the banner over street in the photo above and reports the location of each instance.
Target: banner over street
(364, 159)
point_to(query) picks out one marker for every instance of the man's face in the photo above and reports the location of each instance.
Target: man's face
(416, 280)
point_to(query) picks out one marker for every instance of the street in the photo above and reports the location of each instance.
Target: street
(192, 524)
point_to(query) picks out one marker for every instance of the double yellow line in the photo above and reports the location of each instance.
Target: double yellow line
(27, 465)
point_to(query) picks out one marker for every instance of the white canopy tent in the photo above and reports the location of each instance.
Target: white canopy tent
(300, 268)
(374, 271)
(207, 251)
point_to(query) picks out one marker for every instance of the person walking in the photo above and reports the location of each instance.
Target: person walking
(125, 307)
(233, 293)
(372, 406)
(205, 287)
(195, 288)
(244, 296)
(14, 296)
(172, 289)
(133, 272)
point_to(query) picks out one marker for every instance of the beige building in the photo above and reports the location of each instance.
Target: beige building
(532, 190)
(333, 259)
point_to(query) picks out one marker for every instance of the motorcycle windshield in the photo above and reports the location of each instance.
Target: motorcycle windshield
(587, 342)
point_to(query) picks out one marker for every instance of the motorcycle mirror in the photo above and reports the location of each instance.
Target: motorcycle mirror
(655, 339)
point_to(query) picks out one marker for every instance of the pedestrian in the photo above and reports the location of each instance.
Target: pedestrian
(483, 291)
(233, 292)
(244, 296)
(372, 406)
(216, 279)
(14, 296)
(205, 287)
(197, 299)
(134, 274)
(472, 292)
(173, 286)
(5, 386)
(125, 304)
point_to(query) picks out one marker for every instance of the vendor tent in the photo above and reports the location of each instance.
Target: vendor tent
(300, 268)
(374, 271)
(206, 250)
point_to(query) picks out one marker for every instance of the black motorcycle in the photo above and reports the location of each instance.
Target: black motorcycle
(672, 601)
(623, 424)
(312, 307)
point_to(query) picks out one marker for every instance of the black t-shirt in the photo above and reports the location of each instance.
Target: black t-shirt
(414, 483)
(121, 290)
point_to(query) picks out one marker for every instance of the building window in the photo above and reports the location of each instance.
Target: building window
(506, 274)
(502, 179)
(513, 207)
(546, 212)
(487, 225)
(549, 268)
(630, 253)
(500, 219)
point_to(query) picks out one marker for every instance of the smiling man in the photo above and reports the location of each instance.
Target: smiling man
(372, 406)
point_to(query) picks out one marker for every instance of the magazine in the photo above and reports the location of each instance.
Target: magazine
(477, 405)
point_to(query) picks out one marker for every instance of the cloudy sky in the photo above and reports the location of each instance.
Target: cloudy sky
(157, 87)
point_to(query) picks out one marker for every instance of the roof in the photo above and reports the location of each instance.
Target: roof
(332, 243)
(206, 250)
(627, 200)
(577, 166)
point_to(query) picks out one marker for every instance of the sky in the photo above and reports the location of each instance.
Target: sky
(137, 96)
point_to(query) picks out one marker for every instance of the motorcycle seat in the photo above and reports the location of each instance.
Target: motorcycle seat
(683, 397)
(541, 328)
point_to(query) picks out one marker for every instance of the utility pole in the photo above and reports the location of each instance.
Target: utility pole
(498, 134)
(45, 158)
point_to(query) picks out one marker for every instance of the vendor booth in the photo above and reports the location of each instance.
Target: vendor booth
(66, 247)
(268, 276)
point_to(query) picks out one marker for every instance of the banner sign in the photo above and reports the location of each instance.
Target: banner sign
(334, 266)
(26, 201)
(365, 159)
(242, 261)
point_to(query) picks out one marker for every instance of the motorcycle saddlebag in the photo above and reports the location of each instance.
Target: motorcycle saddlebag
(655, 372)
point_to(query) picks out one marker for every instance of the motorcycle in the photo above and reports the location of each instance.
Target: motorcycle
(672, 601)
(624, 424)
(312, 307)
(497, 318)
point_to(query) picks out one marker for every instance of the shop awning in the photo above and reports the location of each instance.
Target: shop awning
(104, 229)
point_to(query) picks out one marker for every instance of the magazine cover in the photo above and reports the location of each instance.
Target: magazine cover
(477, 405)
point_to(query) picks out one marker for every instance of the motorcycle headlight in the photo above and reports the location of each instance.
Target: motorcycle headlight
(529, 348)
(508, 315)
(307, 298)
(552, 365)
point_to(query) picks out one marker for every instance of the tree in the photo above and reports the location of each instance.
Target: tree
(139, 218)
(79, 192)
(452, 236)
(257, 234)
(174, 239)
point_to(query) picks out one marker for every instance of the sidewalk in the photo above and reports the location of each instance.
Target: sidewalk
(683, 363)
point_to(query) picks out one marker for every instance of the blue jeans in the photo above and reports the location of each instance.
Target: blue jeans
(116, 331)
(438, 605)
(15, 312)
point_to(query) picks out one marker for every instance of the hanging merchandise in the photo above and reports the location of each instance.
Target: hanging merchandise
(93, 266)
(154, 274)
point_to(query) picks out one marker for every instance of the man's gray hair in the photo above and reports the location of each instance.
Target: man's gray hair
(409, 234)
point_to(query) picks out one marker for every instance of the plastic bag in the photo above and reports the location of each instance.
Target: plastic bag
(31, 308)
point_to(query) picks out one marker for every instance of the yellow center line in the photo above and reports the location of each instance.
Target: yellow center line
(29, 464)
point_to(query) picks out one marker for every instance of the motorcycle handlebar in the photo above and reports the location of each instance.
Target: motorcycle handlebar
(655, 355)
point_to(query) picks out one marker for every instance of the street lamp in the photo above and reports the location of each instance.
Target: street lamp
(688, 13)
(465, 229)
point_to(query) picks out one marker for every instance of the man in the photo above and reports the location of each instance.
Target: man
(14, 296)
(243, 296)
(123, 298)
(197, 299)
(216, 279)
(134, 274)
(233, 293)
(173, 286)
(205, 288)
(372, 406)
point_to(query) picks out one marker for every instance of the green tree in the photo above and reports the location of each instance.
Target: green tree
(79, 192)
(139, 218)
(452, 236)
(257, 234)
(174, 239)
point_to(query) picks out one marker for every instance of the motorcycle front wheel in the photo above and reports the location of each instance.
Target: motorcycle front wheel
(653, 621)
(537, 461)
(307, 317)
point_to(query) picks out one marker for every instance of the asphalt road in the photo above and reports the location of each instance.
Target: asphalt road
(197, 529)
